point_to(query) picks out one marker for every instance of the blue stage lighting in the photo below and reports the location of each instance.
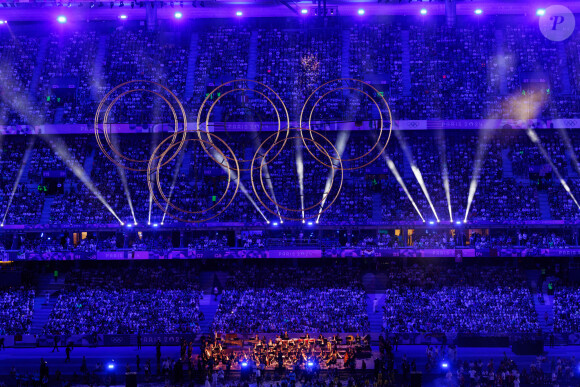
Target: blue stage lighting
(458, 222)
(178, 15)
(155, 225)
(431, 222)
(304, 11)
(239, 13)
(111, 366)
(310, 223)
(275, 224)
(478, 11)
(310, 364)
(423, 11)
(361, 11)
(129, 225)
(61, 19)
(444, 365)
(540, 12)
(244, 364)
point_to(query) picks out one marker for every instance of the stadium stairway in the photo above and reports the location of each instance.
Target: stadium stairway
(506, 164)
(545, 306)
(375, 319)
(564, 74)
(190, 78)
(88, 164)
(42, 306)
(45, 215)
(499, 39)
(377, 207)
(345, 63)
(208, 306)
(98, 70)
(58, 114)
(407, 170)
(42, 49)
(544, 204)
(570, 165)
(406, 65)
(253, 55)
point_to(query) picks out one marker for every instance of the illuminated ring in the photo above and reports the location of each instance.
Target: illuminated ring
(243, 89)
(371, 98)
(156, 170)
(300, 210)
(100, 107)
(108, 111)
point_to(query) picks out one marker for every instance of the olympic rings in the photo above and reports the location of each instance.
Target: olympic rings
(326, 194)
(164, 152)
(220, 96)
(157, 172)
(371, 98)
(110, 106)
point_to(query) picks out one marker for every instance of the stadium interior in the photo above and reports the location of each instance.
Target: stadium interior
(284, 193)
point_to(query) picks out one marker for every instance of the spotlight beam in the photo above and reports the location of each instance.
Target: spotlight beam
(485, 134)
(223, 162)
(416, 171)
(268, 179)
(175, 176)
(399, 179)
(300, 173)
(25, 159)
(61, 150)
(123, 176)
(340, 146)
(444, 170)
(536, 140)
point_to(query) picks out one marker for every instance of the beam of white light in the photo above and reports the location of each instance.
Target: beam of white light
(175, 175)
(268, 178)
(416, 170)
(570, 149)
(222, 160)
(61, 150)
(123, 176)
(399, 179)
(25, 159)
(300, 173)
(444, 170)
(536, 140)
(485, 136)
(340, 146)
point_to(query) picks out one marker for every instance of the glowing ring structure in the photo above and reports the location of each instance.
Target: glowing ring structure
(371, 98)
(243, 89)
(325, 196)
(114, 149)
(157, 171)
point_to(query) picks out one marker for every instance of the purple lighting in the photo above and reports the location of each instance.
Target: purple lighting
(178, 15)
(239, 13)
(123, 17)
(423, 11)
(540, 12)
(304, 11)
(478, 11)
(61, 19)
(361, 12)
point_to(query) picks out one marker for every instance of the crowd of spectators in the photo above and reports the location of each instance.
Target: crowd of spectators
(566, 310)
(16, 308)
(466, 300)
(146, 299)
(262, 299)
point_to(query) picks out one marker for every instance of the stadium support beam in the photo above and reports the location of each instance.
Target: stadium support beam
(451, 12)
(151, 17)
